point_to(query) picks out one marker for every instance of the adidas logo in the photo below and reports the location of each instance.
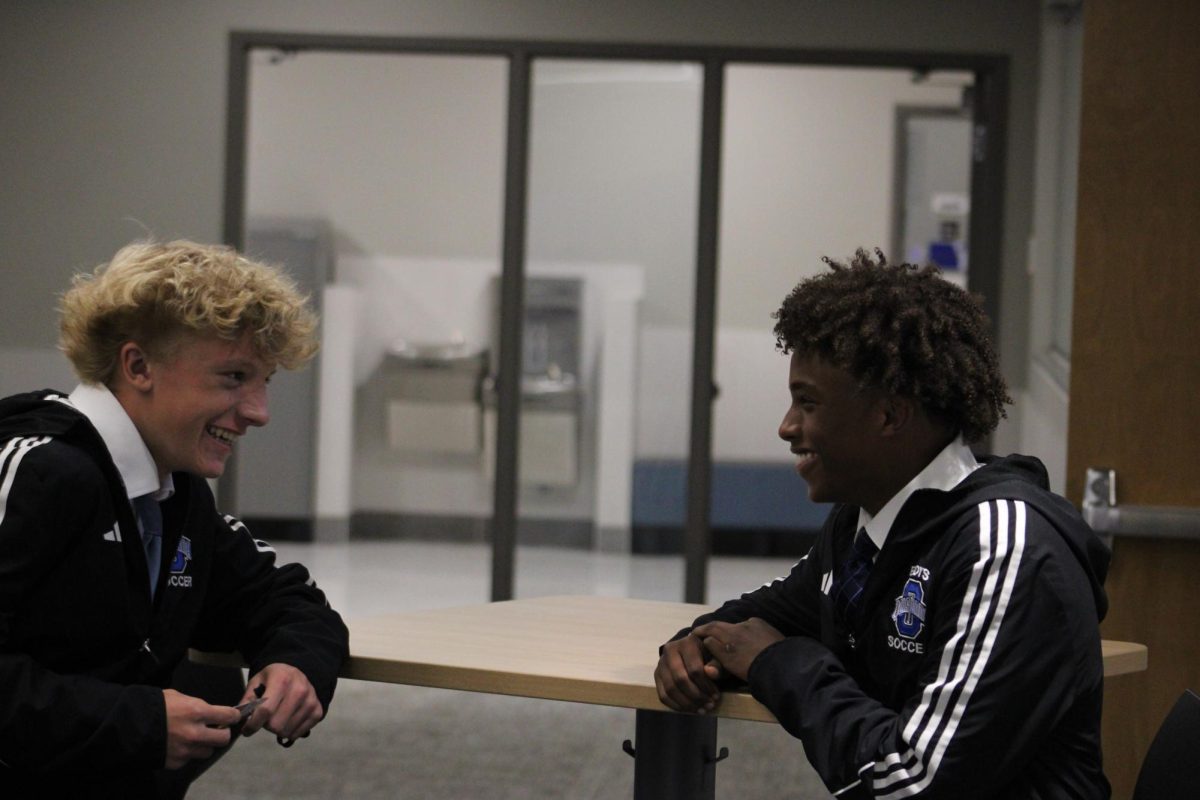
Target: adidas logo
(114, 535)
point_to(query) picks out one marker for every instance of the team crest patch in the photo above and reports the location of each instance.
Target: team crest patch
(183, 554)
(909, 613)
(179, 564)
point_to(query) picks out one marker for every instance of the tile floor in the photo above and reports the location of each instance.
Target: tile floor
(373, 577)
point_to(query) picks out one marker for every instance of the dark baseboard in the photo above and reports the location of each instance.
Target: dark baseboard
(577, 533)
(442, 528)
(757, 542)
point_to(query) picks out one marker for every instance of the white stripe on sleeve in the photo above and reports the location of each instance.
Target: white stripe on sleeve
(10, 460)
(931, 727)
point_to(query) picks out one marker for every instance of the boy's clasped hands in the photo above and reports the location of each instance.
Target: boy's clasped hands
(689, 668)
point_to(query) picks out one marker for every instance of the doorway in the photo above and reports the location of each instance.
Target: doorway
(512, 185)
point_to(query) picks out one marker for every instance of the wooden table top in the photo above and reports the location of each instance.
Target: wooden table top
(587, 649)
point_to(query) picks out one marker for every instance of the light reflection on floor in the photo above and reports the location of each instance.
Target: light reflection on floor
(374, 577)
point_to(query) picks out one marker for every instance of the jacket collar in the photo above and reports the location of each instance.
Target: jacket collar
(125, 445)
(947, 469)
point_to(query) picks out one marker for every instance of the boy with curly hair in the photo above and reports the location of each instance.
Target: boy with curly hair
(113, 557)
(941, 638)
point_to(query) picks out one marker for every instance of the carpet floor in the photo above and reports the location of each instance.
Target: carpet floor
(383, 741)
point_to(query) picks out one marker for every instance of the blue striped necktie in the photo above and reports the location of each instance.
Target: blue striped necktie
(150, 521)
(851, 577)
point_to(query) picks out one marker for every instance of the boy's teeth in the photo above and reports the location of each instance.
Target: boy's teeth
(223, 436)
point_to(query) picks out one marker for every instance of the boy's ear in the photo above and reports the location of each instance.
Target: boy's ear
(133, 367)
(896, 413)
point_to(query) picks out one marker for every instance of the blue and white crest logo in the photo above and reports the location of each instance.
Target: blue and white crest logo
(183, 554)
(909, 614)
(179, 564)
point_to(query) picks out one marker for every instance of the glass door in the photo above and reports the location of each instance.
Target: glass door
(607, 347)
(396, 163)
(807, 171)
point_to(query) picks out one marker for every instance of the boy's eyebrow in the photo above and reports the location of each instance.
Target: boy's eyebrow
(232, 363)
(241, 364)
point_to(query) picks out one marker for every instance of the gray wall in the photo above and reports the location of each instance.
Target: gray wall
(113, 113)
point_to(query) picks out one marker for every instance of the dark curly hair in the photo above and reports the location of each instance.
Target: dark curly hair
(903, 329)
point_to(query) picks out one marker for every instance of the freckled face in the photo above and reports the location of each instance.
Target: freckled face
(202, 398)
(829, 427)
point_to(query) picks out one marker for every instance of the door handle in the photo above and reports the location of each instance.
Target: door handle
(1101, 511)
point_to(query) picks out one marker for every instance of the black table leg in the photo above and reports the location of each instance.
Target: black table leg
(675, 757)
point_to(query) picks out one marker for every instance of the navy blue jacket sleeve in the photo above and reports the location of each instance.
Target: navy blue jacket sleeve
(52, 722)
(791, 604)
(1014, 649)
(270, 613)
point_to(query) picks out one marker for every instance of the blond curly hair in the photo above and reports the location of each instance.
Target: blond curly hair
(152, 292)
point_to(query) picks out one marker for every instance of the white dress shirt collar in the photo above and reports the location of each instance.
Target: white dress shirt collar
(124, 443)
(947, 469)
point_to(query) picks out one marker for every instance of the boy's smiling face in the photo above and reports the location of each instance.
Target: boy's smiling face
(830, 427)
(196, 401)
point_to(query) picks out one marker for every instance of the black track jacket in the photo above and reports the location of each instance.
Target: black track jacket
(975, 669)
(84, 654)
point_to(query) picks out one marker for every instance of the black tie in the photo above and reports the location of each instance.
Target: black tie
(852, 577)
